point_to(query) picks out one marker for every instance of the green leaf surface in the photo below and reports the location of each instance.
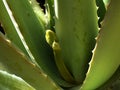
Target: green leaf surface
(14, 61)
(105, 60)
(32, 29)
(12, 82)
(38, 11)
(9, 28)
(76, 28)
(113, 83)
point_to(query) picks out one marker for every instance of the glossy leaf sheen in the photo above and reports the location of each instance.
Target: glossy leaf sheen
(9, 28)
(105, 60)
(76, 28)
(32, 29)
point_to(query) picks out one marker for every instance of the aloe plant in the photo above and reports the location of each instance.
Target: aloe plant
(73, 45)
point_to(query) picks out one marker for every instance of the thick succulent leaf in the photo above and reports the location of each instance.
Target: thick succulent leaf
(12, 82)
(32, 28)
(113, 82)
(105, 60)
(38, 11)
(76, 27)
(14, 61)
(9, 28)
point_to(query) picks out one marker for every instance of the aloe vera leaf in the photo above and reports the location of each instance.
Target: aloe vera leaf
(31, 29)
(38, 11)
(105, 60)
(9, 28)
(76, 27)
(101, 11)
(12, 82)
(14, 61)
(33, 32)
(112, 81)
(50, 14)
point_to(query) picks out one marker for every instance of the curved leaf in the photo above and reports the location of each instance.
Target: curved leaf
(12, 82)
(106, 58)
(14, 61)
(76, 28)
(113, 82)
(38, 11)
(9, 28)
(32, 28)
